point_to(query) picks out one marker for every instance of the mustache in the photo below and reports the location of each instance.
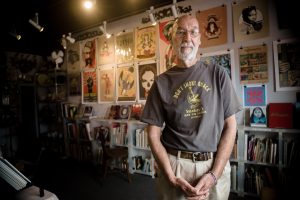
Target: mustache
(187, 44)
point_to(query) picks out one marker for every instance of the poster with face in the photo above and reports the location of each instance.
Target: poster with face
(250, 19)
(88, 54)
(73, 59)
(89, 86)
(145, 42)
(213, 26)
(258, 116)
(147, 73)
(126, 83)
(106, 50)
(124, 47)
(107, 84)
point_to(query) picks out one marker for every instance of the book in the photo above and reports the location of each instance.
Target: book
(280, 115)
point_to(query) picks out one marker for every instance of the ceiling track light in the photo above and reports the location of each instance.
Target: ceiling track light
(15, 35)
(103, 30)
(35, 22)
(70, 38)
(151, 16)
(64, 41)
(174, 9)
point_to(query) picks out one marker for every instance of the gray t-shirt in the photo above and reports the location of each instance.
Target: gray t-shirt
(193, 103)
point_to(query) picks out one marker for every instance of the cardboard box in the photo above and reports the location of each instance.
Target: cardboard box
(280, 115)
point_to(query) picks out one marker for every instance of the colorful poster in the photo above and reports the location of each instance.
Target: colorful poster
(250, 19)
(147, 72)
(125, 48)
(253, 64)
(126, 83)
(145, 42)
(258, 116)
(106, 50)
(89, 86)
(88, 54)
(213, 26)
(255, 95)
(107, 84)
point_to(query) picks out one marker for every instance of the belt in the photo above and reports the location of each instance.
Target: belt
(194, 156)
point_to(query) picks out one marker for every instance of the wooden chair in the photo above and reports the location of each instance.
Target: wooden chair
(112, 155)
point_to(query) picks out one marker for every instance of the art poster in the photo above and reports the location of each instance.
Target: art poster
(124, 47)
(88, 54)
(213, 26)
(258, 116)
(147, 72)
(73, 58)
(74, 84)
(126, 83)
(253, 64)
(145, 42)
(167, 57)
(287, 67)
(222, 59)
(107, 84)
(106, 50)
(89, 86)
(250, 19)
(254, 95)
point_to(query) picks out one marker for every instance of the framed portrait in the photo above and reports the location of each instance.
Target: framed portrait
(254, 95)
(253, 64)
(145, 42)
(213, 26)
(88, 54)
(147, 71)
(258, 116)
(125, 47)
(286, 62)
(89, 86)
(73, 58)
(126, 83)
(167, 57)
(250, 19)
(107, 84)
(106, 50)
(223, 59)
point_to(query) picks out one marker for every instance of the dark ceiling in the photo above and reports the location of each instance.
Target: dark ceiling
(60, 17)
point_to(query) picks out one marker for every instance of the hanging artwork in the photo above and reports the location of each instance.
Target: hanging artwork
(124, 47)
(222, 59)
(213, 26)
(286, 61)
(107, 84)
(254, 95)
(167, 57)
(250, 19)
(147, 72)
(126, 83)
(73, 58)
(258, 116)
(88, 54)
(145, 42)
(106, 50)
(89, 86)
(253, 64)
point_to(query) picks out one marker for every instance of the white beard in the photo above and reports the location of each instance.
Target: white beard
(187, 56)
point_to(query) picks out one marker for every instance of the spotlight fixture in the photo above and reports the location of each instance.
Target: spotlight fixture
(88, 4)
(103, 29)
(35, 23)
(64, 41)
(15, 35)
(70, 39)
(174, 9)
(151, 16)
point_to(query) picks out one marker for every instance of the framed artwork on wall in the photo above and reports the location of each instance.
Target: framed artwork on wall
(106, 50)
(254, 95)
(124, 47)
(89, 86)
(88, 54)
(258, 116)
(213, 26)
(73, 58)
(286, 62)
(126, 83)
(253, 64)
(146, 72)
(250, 19)
(222, 59)
(107, 84)
(145, 42)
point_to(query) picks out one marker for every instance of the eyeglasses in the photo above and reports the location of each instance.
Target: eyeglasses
(193, 33)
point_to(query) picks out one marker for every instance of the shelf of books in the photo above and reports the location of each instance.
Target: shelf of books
(263, 160)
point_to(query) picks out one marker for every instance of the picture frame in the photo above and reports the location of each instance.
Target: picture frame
(255, 95)
(88, 111)
(145, 42)
(287, 72)
(126, 82)
(107, 84)
(89, 86)
(106, 50)
(147, 71)
(258, 116)
(124, 47)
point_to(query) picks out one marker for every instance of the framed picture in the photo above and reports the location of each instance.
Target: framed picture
(213, 26)
(258, 116)
(126, 83)
(145, 42)
(147, 71)
(253, 64)
(286, 62)
(88, 54)
(88, 111)
(222, 59)
(106, 50)
(89, 86)
(107, 84)
(125, 47)
(73, 58)
(254, 95)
